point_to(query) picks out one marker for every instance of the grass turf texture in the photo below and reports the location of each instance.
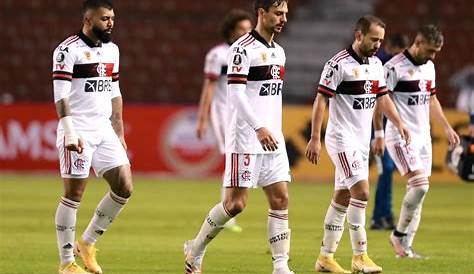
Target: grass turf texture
(148, 235)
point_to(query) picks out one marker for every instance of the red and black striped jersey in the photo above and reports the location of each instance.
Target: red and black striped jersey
(352, 85)
(411, 85)
(87, 74)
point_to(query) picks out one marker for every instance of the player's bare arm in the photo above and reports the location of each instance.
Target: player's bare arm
(436, 111)
(116, 119)
(378, 145)
(313, 149)
(208, 88)
(390, 111)
(72, 140)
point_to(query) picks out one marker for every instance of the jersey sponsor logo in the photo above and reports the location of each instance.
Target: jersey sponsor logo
(364, 103)
(60, 66)
(279, 237)
(98, 86)
(270, 89)
(236, 68)
(240, 50)
(415, 100)
(63, 48)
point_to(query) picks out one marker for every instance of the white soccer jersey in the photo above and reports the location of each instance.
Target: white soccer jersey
(411, 85)
(88, 75)
(215, 68)
(352, 86)
(259, 66)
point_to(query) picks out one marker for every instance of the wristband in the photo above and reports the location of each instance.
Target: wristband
(378, 133)
(70, 135)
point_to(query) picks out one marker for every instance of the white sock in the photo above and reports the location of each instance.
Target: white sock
(65, 220)
(413, 227)
(212, 225)
(108, 208)
(356, 221)
(279, 237)
(333, 228)
(418, 185)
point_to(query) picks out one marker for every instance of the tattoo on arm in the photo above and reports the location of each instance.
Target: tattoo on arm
(62, 108)
(116, 118)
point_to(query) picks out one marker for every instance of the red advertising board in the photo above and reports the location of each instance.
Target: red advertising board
(159, 138)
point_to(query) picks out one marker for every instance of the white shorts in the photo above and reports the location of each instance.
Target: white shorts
(255, 170)
(415, 156)
(351, 167)
(218, 124)
(102, 150)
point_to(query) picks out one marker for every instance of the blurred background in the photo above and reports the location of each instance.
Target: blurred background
(163, 44)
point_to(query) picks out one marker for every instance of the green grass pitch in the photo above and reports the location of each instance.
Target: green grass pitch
(148, 235)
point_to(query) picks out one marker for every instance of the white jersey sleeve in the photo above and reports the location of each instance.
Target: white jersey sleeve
(382, 90)
(331, 77)
(212, 66)
(238, 66)
(63, 65)
(115, 76)
(391, 76)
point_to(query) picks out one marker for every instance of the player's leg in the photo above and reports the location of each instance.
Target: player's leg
(382, 217)
(194, 250)
(408, 162)
(274, 178)
(241, 171)
(279, 234)
(359, 193)
(110, 162)
(218, 126)
(74, 172)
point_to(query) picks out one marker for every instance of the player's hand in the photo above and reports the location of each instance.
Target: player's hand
(201, 129)
(453, 137)
(404, 133)
(313, 150)
(122, 141)
(266, 139)
(79, 146)
(378, 146)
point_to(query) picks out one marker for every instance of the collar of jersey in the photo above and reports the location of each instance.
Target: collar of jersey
(354, 55)
(88, 41)
(410, 57)
(262, 40)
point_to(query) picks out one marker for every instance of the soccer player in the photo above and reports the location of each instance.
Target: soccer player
(255, 147)
(353, 83)
(214, 90)
(411, 80)
(382, 217)
(90, 132)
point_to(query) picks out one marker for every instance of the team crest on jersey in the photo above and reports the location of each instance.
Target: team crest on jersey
(79, 163)
(87, 55)
(275, 72)
(368, 86)
(102, 70)
(424, 85)
(264, 56)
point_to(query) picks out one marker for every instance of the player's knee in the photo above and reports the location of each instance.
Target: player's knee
(421, 190)
(234, 207)
(362, 195)
(279, 202)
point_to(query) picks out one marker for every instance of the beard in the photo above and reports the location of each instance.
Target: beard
(103, 35)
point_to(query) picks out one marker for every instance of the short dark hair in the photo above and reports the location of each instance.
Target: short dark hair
(364, 23)
(231, 20)
(266, 4)
(397, 40)
(431, 34)
(95, 4)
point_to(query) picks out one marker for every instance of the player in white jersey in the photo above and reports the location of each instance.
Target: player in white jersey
(214, 90)
(255, 147)
(412, 82)
(353, 83)
(90, 132)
